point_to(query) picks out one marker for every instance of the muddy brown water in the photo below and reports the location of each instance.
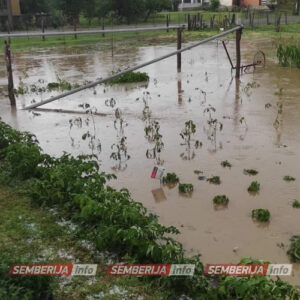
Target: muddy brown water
(221, 236)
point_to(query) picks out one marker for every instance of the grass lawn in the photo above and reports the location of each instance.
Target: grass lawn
(37, 235)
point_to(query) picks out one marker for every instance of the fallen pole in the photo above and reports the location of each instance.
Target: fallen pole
(67, 111)
(93, 84)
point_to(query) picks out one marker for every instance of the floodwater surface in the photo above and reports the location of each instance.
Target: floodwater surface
(255, 134)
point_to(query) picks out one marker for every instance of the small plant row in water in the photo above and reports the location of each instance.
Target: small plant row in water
(130, 77)
(61, 84)
(112, 221)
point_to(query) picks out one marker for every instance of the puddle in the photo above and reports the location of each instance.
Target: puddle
(248, 140)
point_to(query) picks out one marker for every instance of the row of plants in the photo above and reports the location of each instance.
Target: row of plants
(78, 190)
(289, 55)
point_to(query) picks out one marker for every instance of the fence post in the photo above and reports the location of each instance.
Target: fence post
(179, 43)
(11, 93)
(103, 34)
(277, 23)
(75, 27)
(238, 36)
(167, 22)
(286, 21)
(43, 27)
(189, 22)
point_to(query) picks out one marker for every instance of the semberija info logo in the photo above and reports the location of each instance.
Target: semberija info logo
(151, 270)
(248, 270)
(53, 270)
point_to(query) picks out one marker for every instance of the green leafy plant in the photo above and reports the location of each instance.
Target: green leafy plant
(289, 55)
(130, 77)
(186, 188)
(296, 204)
(221, 200)
(214, 180)
(213, 125)
(289, 178)
(225, 164)
(186, 134)
(170, 178)
(250, 172)
(254, 187)
(294, 249)
(261, 215)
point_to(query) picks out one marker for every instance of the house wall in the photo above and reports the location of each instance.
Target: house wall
(15, 7)
(251, 2)
(190, 4)
(226, 2)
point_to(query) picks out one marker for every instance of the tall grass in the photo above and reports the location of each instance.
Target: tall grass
(288, 55)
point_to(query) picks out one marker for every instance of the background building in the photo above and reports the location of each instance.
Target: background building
(9, 9)
(191, 4)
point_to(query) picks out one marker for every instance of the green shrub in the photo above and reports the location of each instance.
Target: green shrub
(294, 250)
(254, 187)
(214, 5)
(22, 287)
(250, 172)
(296, 204)
(289, 178)
(22, 160)
(262, 215)
(221, 199)
(130, 77)
(170, 178)
(289, 55)
(226, 163)
(214, 180)
(186, 188)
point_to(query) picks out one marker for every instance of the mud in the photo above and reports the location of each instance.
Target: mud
(222, 235)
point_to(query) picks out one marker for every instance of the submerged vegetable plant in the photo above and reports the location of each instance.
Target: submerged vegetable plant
(187, 136)
(250, 172)
(120, 154)
(213, 126)
(296, 204)
(214, 180)
(170, 178)
(221, 200)
(225, 164)
(289, 178)
(261, 215)
(254, 187)
(186, 188)
(90, 135)
(130, 77)
(294, 250)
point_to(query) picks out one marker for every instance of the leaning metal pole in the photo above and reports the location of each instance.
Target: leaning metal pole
(93, 84)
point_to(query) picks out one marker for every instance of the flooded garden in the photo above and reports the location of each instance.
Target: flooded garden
(233, 145)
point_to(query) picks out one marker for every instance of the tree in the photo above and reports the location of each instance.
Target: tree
(31, 7)
(89, 9)
(71, 9)
(129, 9)
(214, 5)
(153, 6)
